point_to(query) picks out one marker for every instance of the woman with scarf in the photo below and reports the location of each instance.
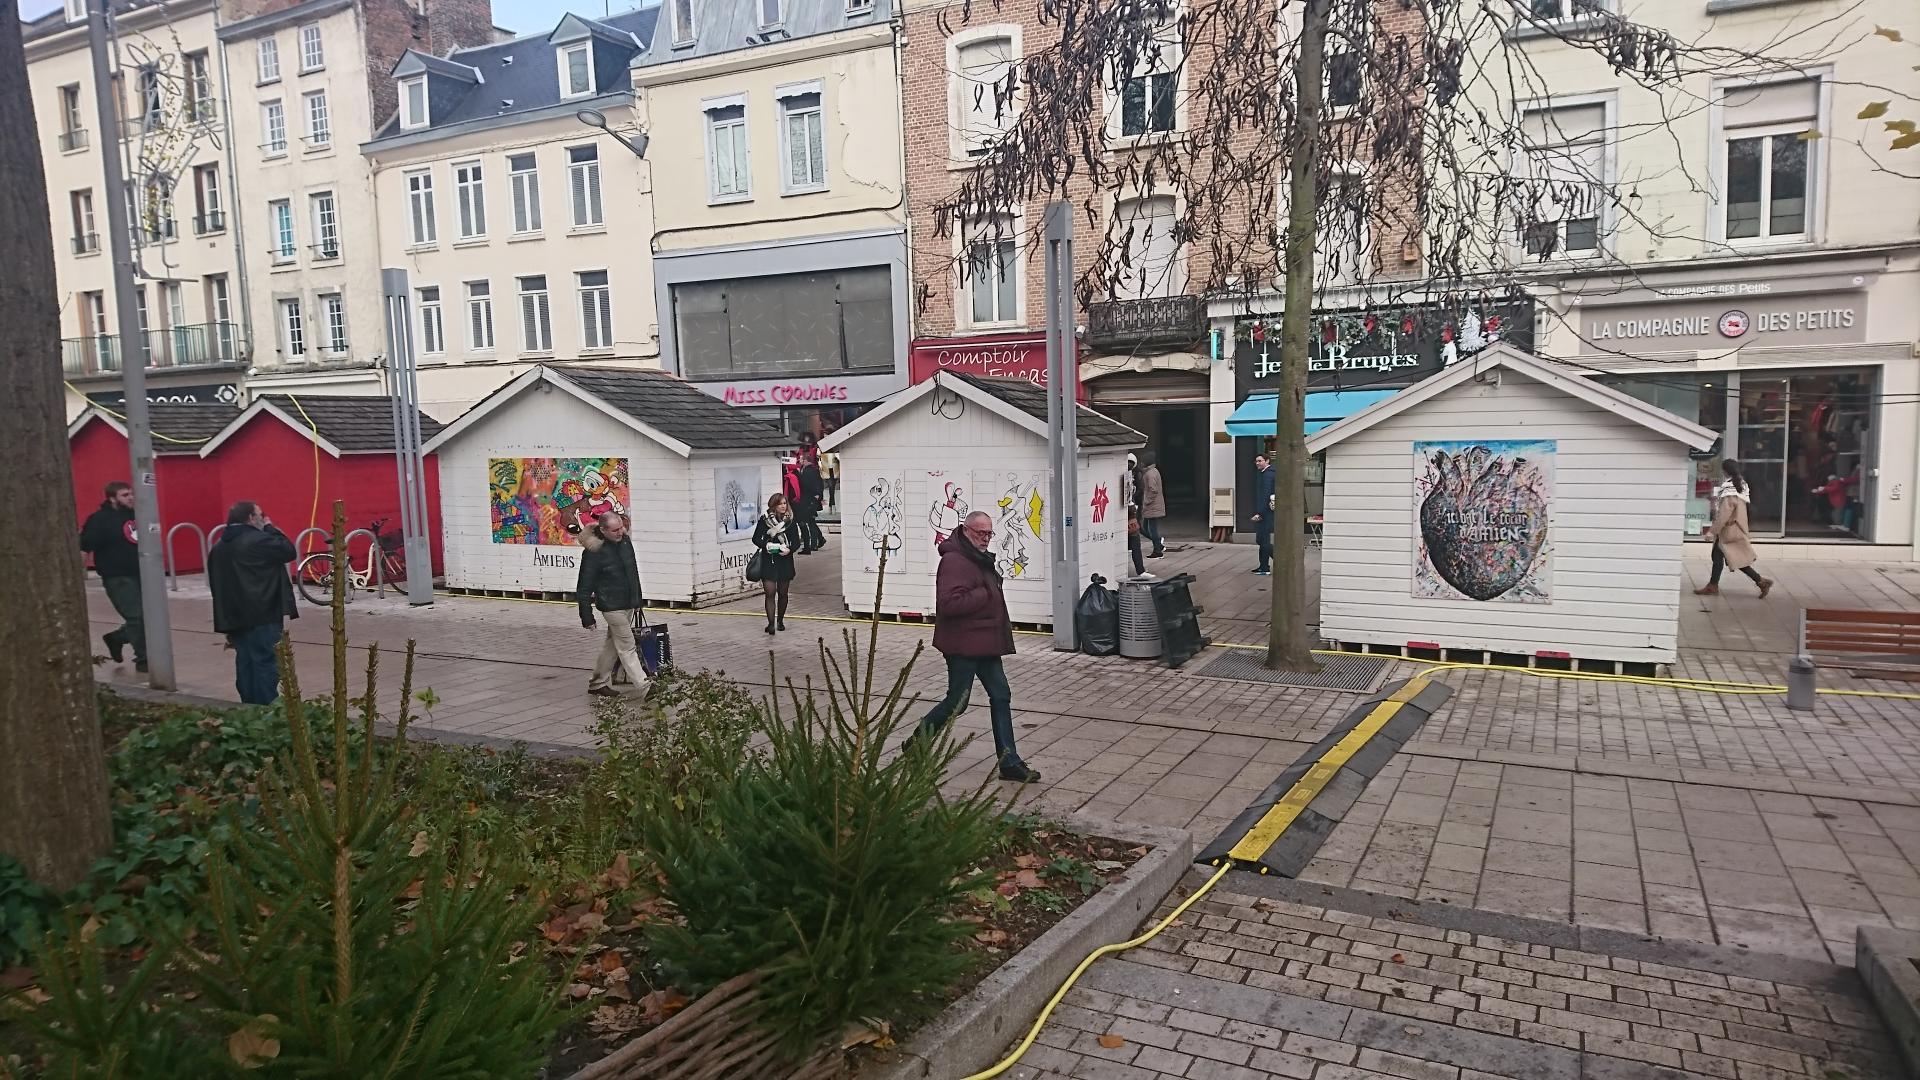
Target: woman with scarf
(1732, 538)
(777, 535)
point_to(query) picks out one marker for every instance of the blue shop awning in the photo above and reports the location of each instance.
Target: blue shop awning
(1254, 417)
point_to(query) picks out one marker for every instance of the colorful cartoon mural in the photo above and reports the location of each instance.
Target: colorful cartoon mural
(1019, 506)
(533, 500)
(949, 508)
(1484, 509)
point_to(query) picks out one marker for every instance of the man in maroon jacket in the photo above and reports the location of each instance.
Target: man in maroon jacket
(972, 630)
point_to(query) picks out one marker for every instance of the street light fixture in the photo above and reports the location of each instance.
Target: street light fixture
(594, 118)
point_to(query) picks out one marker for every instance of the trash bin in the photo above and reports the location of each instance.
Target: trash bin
(1139, 620)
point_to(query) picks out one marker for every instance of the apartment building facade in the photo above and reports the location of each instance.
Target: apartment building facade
(170, 126)
(1763, 282)
(780, 267)
(521, 228)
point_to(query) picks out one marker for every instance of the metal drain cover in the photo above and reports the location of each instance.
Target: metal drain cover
(1355, 674)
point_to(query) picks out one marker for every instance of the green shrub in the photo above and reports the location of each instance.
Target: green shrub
(668, 757)
(825, 865)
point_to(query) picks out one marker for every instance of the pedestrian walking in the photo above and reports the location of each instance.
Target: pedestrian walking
(252, 597)
(972, 629)
(1732, 540)
(610, 583)
(778, 536)
(1133, 540)
(1263, 513)
(1153, 505)
(806, 509)
(109, 537)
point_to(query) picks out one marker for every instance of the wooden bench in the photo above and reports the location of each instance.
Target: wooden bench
(1855, 640)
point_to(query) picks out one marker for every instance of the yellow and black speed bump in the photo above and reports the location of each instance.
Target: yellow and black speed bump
(1283, 828)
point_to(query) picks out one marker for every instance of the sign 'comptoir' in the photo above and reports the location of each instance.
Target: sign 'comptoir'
(1002, 356)
(1726, 321)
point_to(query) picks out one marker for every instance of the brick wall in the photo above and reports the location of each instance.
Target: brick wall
(933, 176)
(394, 26)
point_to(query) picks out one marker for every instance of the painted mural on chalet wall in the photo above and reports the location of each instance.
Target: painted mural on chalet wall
(1484, 509)
(535, 500)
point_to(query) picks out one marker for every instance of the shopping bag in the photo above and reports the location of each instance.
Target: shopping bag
(655, 646)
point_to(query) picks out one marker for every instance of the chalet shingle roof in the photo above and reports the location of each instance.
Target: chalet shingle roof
(674, 407)
(350, 423)
(193, 424)
(1094, 429)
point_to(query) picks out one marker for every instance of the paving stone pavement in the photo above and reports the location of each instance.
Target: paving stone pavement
(1697, 817)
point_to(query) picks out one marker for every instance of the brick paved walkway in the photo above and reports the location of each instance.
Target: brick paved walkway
(1712, 818)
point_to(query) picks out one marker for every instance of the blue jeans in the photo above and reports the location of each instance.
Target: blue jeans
(992, 673)
(256, 670)
(1263, 539)
(1150, 528)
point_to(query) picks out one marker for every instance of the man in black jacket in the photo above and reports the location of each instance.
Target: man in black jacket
(610, 582)
(806, 509)
(108, 536)
(252, 598)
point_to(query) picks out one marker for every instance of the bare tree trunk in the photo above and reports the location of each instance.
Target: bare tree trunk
(53, 773)
(1288, 646)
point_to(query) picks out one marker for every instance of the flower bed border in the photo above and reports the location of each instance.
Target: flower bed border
(974, 1032)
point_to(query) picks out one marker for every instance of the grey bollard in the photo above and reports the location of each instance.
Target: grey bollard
(1800, 686)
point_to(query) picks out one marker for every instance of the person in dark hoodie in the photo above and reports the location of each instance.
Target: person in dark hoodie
(252, 597)
(972, 629)
(109, 537)
(610, 582)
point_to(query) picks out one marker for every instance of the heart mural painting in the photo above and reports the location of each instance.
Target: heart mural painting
(1484, 509)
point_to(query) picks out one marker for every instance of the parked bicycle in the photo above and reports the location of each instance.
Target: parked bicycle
(314, 574)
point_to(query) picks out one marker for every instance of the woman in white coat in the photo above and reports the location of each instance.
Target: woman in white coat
(1732, 539)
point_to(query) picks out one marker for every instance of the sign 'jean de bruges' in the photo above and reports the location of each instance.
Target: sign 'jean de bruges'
(1381, 348)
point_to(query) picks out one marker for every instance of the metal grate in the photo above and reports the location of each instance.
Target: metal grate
(1354, 674)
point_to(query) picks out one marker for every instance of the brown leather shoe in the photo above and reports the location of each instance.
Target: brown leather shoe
(1766, 586)
(1709, 590)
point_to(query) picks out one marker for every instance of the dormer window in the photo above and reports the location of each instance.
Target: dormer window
(771, 14)
(76, 11)
(682, 11)
(576, 70)
(413, 103)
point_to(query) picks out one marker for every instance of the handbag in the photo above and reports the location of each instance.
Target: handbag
(656, 648)
(757, 566)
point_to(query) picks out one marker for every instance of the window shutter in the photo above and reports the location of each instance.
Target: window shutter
(593, 193)
(1772, 103)
(546, 323)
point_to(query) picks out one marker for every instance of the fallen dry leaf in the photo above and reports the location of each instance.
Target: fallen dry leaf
(252, 1046)
(620, 874)
(613, 1021)
(420, 845)
(611, 961)
(992, 936)
(661, 1004)
(18, 977)
(1030, 862)
(1112, 1042)
(1007, 888)
(1027, 879)
(579, 991)
(863, 1032)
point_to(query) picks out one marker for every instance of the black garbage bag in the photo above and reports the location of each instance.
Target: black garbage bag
(1096, 619)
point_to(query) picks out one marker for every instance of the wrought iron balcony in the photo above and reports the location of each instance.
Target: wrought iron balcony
(86, 243)
(212, 221)
(326, 249)
(197, 345)
(73, 140)
(1153, 320)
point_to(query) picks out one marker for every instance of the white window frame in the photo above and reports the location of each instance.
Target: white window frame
(313, 49)
(680, 13)
(524, 190)
(326, 224)
(1170, 63)
(1609, 103)
(333, 318)
(963, 262)
(717, 193)
(219, 299)
(1817, 166)
(319, 120)
(565, 54)
(1171, 280)
(282, 231)
(423, 230)
(470, 200)
(966, 142)
(408, 120)
(273, 128)
(536, 333)
(772, 14)
(76, 11)
(480, 329)
(596, 311)
(174, 299)
(267, 60)
(588, 211)
(293, 328)
(96, 314)
(81, 200)
(784, 98)
(433, 323)
(859, 7)
(1573, 10)
(71, 118)
(199, 80)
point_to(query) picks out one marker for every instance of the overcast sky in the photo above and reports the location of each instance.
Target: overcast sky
(519, 16)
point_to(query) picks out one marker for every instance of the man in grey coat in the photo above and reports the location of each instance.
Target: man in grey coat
(1153, 505)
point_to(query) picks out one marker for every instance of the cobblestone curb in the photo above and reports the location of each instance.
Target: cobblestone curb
(1889, 963)
(976, 1031)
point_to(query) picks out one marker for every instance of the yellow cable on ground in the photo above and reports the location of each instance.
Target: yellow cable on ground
(1104, 950)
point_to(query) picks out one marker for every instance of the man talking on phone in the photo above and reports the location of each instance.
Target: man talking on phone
(252, 598)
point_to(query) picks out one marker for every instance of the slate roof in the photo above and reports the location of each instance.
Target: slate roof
(524, 71)
(723, 26)
(188, 423)
(351, 423)
(674, 407)
(1094, 429)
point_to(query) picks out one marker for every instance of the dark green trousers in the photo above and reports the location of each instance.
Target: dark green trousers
(125, 594)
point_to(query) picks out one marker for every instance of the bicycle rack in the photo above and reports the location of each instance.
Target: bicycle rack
(300, 540)
(173, 577)
(373, 558)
